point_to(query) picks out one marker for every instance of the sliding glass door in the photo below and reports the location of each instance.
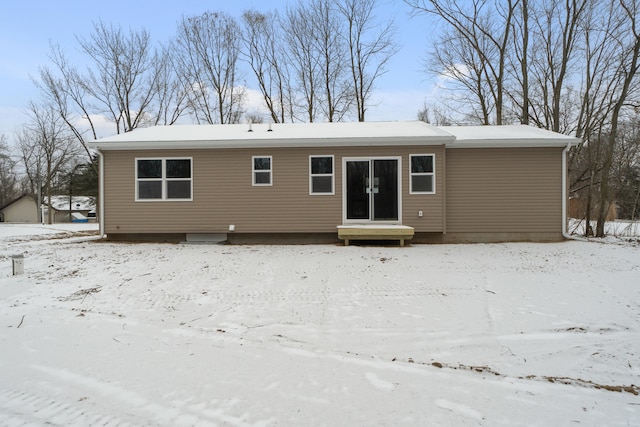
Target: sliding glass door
(371, 189)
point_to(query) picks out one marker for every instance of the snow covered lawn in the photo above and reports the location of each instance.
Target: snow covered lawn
(108, 334)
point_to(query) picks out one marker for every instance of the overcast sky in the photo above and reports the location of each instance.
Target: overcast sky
(28, 27)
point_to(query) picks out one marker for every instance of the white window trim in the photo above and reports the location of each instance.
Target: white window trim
(253, 171)
(433, 174)
(332, 175)
(163, 179)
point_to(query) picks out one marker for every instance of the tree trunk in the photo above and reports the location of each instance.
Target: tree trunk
(588, 231)
(629, 70)
(49, 210)
(524, 66)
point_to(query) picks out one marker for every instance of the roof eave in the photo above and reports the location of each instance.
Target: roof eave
(514, 143)
(270, 143)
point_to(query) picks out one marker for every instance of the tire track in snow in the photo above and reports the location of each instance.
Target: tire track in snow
(460, 409)
(27, 408)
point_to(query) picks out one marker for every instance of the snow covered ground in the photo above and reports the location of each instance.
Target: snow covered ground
(109, 334)
(617, 228)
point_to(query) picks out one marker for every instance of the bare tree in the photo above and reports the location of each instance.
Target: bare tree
(123, 80)
(626, 169)
(570, 66)
(209, 49)
(627, 71)
(304, 61)
(263, 41)
(254, 117)
(605, 159)
(423, 114)
(8, 178)
(480, 34)
(370, 48)
(557, 35)
(46, 147)
(331, 49)
(600, 27)
(171, 92)
(434, 114)
(520, 60)
(127, 81)
(63, 89)
(465, 68)
(321, 60)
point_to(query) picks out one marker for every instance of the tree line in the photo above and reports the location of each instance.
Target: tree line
(315, 61)
(569, 66)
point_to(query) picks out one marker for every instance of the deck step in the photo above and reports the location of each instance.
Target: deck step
(375, 232)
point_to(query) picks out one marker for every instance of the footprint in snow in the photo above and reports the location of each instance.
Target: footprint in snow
(458, 408)
(379, 383)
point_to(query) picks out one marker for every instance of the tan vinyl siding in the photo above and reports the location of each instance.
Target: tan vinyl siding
(223, 193)
(23, 210)
(504, 190)
(431, 205)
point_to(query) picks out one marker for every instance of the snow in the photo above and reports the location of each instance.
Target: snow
(346, 134)
(506, 136)
(119, 334)
(79, 203)
(503, 132)
(275, 134)
(616, 228)
(16, 231)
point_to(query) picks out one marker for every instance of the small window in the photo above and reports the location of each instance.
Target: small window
(262, 167)
(178, 178)
(163, 179)
(321, 178)
(422, 174)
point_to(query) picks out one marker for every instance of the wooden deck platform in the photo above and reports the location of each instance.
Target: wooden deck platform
(375, 232)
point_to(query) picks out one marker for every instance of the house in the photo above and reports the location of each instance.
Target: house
(81, 208)
(23, 209)
(314, 182)
(578, 209)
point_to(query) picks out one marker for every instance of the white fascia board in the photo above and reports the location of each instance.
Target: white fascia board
(271, 143)
(508, 136)
(514, 143)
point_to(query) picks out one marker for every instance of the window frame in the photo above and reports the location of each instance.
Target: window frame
(332, 175)
(432, 174)
(164, 180)
(254, 171)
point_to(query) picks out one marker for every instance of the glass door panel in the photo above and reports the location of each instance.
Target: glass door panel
(358, 203)
(372, 189)
(385, 190)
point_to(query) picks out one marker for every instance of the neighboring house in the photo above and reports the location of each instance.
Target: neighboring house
(299, 182)
(24, 209)
(82, 209)
(578, 209)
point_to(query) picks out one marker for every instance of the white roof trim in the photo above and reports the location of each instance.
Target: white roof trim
(273, 143)
(344, 134)
(507, 136)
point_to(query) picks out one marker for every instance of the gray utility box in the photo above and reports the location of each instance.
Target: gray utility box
(18, 264)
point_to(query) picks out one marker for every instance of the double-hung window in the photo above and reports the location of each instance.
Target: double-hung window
(422, 174)
(164, 179)
(261, 171)
(321, 177)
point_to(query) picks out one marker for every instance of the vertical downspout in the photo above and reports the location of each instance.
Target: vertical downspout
(565, 191)
(443, 181)
(101, 193)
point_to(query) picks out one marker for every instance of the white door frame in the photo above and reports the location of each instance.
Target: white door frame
(344, 190)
